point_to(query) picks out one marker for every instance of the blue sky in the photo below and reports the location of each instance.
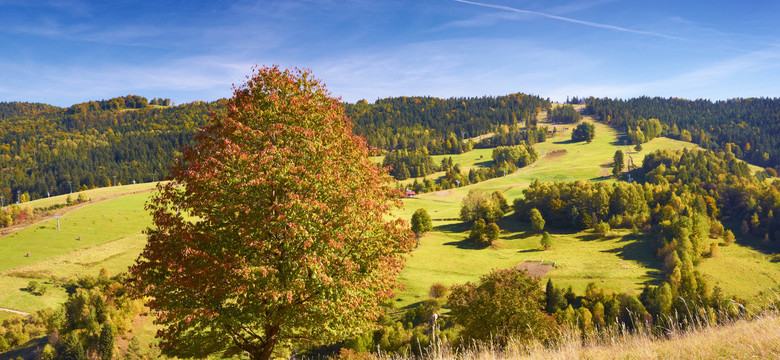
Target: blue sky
(71, 51)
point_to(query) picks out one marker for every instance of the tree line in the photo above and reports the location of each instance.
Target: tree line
(749, 126)
(47, 150)
(415, 122)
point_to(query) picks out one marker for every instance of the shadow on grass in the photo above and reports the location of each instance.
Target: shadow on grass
(486, 163)
(529, 251)
(457, 227)
(602, 178)
(466, 244)
(761, 245)
(564, 142)
(638, 248)
(25, 350)
(591, 237)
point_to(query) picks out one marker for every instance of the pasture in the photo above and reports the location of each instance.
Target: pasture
(100, 235)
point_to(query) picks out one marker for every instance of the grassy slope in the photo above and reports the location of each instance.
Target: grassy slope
(618, 263)
(97, 194)
(110, 237)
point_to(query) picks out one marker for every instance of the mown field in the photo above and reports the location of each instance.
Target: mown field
(107, 233)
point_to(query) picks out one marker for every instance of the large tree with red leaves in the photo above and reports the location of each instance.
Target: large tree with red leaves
(274, 231)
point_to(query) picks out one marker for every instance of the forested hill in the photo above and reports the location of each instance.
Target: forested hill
(749, 128)
(46, 149)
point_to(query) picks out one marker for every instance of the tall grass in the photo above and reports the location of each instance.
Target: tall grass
(751, 335)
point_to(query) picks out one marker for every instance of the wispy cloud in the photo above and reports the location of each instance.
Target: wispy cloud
(570, 20)
(578, 5)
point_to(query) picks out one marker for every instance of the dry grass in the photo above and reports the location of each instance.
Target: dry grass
(744, 339)
(756, 338)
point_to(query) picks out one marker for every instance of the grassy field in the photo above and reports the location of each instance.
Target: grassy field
(619, 262)
(97, 194)
(101, 235)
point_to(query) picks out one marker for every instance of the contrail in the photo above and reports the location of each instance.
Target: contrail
(575, 21)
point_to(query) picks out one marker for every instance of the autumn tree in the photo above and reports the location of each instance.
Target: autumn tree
(481, 205)
(273, 231)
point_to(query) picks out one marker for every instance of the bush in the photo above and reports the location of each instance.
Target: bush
(728, 237)
(506, 304)
(422, 313)
(439, 290)
(602, 228)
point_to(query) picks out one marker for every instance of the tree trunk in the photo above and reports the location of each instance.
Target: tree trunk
(266, 348)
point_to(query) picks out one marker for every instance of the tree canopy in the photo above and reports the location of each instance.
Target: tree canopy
(273, 229)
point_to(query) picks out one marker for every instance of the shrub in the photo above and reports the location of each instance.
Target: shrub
(728, 237)
(506, 304)
(602, 228)
(439, 290)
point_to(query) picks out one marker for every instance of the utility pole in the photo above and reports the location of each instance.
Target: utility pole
(18, 196)
(114, 180)
(58, 222)
(1, 201)
(70, 183)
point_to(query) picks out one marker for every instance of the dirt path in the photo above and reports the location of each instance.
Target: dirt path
(15, 311)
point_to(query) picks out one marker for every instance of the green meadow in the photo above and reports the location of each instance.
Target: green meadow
(105, 234)
(619, 262)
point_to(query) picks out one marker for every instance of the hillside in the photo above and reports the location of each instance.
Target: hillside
(617, 262)
(106, 233)
(48, 150)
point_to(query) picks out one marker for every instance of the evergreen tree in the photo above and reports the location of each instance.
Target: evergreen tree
(106, 342)
(72, 348)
